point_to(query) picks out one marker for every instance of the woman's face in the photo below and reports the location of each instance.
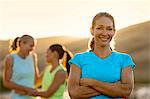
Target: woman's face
(103, 31)
(27, 46)
(49, 56)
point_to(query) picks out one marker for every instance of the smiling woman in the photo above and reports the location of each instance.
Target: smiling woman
(101, 73)
(20, 71)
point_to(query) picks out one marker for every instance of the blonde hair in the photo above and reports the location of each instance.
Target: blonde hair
(25, 39)
(101, 14)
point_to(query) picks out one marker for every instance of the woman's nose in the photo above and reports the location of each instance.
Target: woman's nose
(104, 32)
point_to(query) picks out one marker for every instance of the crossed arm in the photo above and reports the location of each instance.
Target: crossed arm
(121, 88)
(76, 90)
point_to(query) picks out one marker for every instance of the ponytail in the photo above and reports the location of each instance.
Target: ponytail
(63, 54)
(14, 45)
(67, 56)
(91, 44)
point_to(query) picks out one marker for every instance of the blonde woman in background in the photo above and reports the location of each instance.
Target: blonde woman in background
(21, 70)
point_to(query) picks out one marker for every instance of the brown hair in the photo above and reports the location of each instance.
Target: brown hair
(61, 51)
(14, 44)
(91, 44)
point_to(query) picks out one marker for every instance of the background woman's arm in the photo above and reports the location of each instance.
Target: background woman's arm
(7, 79)
(59, 79)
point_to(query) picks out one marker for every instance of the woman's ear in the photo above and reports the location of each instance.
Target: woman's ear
(56, 54)
(21, 43)
(114, 29)
(92, 32)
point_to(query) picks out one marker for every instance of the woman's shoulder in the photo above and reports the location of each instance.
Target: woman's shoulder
(10, 56)
(120, 53)
(125, 59)
(86, 53)
(78, 57)
(33, 55)
(61, 67)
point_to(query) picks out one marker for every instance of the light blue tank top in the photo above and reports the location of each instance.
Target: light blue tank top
(22, 74)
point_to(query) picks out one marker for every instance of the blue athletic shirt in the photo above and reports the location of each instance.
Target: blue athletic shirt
(104, 70)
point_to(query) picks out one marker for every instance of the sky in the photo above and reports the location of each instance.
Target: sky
(45, 18)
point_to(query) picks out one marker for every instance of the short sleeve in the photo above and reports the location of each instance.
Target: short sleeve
(127, 61)
(76, 60)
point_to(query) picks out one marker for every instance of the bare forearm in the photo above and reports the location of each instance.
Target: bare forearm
(45, 94)
(83, 92)
(48, 93)
(42, 94)
(20, 92)
(17, 88)
(112, 89)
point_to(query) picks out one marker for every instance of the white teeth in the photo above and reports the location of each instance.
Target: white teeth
(104, 39)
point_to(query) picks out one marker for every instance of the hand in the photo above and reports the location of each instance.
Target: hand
(85, 82)
(31, 92)
(21, 92)
(40, 94)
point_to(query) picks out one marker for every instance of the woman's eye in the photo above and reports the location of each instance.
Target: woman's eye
(98, 28)
(110, 29)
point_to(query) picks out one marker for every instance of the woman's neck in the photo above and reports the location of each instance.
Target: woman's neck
(54, 64)
(102, 52)
(22, 55)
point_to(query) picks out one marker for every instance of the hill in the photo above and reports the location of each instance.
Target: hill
(135, 40)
